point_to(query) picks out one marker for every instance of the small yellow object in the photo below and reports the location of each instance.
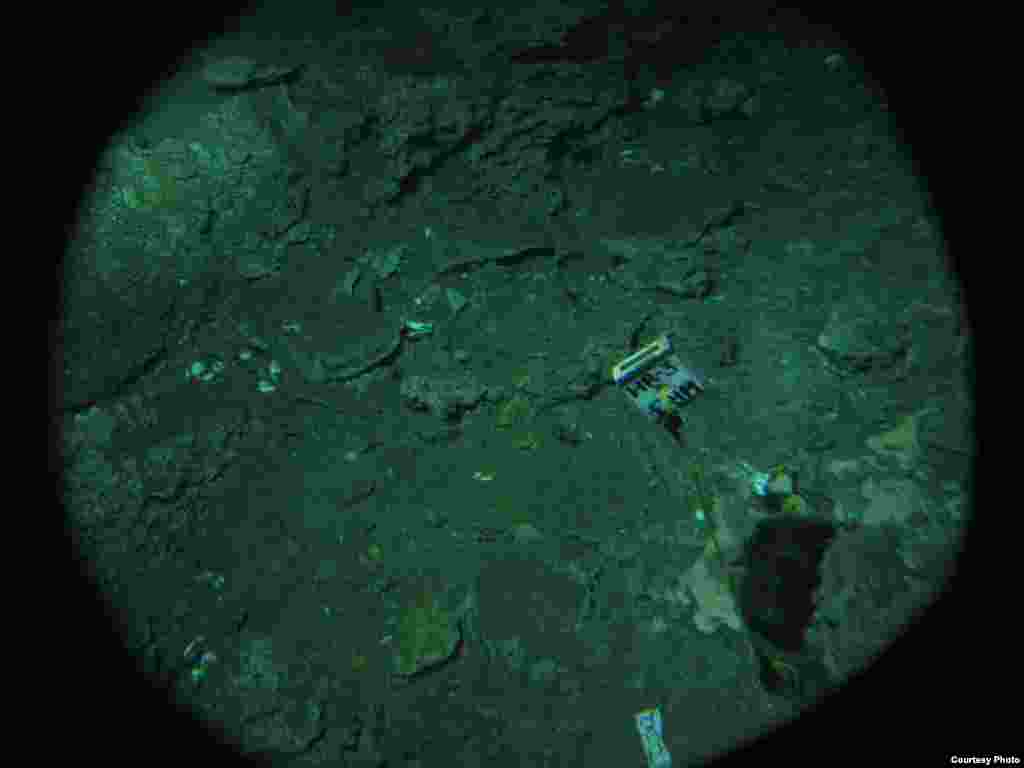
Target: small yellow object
(514, 410)
(528, 442)
(711, 550)
(902, 438)
(663, 395)
(794, 505)
(787, 672)
(642, 358)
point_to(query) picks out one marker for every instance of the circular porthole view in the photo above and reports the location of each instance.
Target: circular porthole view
(567, 384)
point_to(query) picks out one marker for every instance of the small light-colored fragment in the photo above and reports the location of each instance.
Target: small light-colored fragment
(230, 72)
(237, 72)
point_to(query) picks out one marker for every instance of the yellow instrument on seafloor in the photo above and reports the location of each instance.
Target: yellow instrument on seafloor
(656, 380)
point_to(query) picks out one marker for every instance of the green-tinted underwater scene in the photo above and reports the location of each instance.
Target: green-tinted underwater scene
(444, 388)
